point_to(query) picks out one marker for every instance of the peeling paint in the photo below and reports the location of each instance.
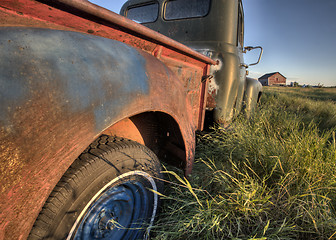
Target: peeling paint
(60, 89)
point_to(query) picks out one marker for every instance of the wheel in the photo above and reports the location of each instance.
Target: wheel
(109, 192)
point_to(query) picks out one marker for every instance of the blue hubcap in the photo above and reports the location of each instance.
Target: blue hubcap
(121, 212)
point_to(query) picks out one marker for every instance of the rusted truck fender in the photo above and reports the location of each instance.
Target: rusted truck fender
(59, 90)
(252, 95)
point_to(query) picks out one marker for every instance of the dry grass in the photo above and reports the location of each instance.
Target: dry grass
(272, 177)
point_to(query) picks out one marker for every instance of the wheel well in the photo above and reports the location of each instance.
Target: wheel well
(156, 130)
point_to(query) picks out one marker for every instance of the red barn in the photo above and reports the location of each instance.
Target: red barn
(272, 79)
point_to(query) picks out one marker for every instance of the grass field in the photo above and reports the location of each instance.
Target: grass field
(271, 177)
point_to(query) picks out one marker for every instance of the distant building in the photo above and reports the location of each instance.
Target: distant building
(273, 79)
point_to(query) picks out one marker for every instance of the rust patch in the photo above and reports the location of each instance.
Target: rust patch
(44, 138)
(23, 162)
(126, 129)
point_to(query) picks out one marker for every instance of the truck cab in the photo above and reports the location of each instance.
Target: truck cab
(214, 28)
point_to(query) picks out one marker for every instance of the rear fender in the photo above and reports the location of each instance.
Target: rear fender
(59, 91)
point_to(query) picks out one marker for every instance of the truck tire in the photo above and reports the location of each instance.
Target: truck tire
(109, 192)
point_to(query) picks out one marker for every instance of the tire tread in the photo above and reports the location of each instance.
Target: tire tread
(79, 170)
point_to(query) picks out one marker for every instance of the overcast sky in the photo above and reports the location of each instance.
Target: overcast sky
(298, 37)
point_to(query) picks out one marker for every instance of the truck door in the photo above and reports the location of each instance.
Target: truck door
(243, 66)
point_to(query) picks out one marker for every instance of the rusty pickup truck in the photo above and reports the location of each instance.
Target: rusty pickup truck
(91, 102)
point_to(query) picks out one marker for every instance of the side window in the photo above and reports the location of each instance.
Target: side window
(240, 37)
(144, 13)
(180, 9)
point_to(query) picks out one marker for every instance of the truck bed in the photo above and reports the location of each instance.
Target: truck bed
(42, 135)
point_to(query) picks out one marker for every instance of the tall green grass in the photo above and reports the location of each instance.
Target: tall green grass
(270, 177)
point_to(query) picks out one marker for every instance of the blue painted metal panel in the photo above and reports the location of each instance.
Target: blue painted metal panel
(79, 72)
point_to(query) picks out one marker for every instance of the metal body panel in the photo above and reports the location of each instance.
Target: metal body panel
(222, 15)
(228, 80)
(85, 17)
(225, 97)
(252, 95)
(216, 35)
(59, 90)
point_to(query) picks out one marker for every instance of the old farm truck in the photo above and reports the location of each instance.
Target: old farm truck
(91, 102)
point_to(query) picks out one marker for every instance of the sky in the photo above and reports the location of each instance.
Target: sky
(298, 38)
